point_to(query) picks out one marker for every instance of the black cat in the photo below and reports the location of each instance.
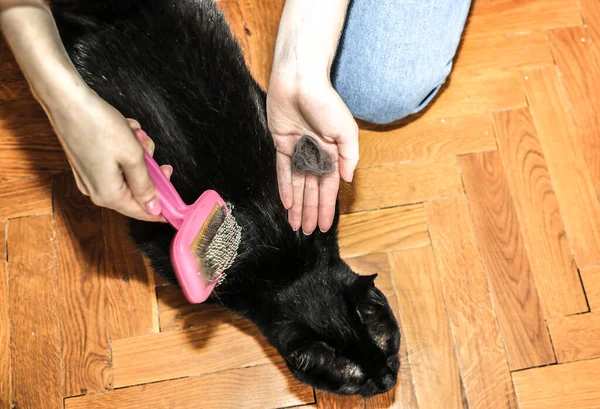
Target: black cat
(175, 67)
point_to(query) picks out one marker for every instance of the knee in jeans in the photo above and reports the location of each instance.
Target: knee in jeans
(384, 99)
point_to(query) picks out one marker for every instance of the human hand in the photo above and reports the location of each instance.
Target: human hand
(107, 160)
(106, 153)
(297, 108)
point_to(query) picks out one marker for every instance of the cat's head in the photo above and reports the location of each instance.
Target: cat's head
(337, 333)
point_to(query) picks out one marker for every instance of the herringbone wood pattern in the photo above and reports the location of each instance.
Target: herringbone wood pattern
(481, 217)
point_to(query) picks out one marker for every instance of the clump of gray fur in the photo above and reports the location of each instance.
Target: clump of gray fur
(310, 159)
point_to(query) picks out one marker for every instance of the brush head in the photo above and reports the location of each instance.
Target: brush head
(205, 246)
(216, 245)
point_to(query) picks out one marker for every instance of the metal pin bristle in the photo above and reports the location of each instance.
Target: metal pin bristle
(217, 244)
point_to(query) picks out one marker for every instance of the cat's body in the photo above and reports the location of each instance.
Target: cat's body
(174, 66)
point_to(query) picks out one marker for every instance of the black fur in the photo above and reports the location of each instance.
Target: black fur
(174, 66)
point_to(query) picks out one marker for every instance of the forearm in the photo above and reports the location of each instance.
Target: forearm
(308, 37)
(31, 32)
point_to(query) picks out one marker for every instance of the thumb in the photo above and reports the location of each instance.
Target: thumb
(347, 139)
(349, 154)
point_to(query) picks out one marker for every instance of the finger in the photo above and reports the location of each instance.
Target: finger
(167, 170)
(295, 212)
(139, 182)
(133, 124)
(310, 205)
(145, 140)
(131, 208)
(349, 154)
(328, 191)
(284, 180)
(118, 196)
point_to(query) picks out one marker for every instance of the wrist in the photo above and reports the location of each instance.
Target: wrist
(59, 87)
(298, 69)
(292, 85)
(308, 37)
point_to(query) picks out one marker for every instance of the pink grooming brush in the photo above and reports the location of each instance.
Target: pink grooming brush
(207, 237)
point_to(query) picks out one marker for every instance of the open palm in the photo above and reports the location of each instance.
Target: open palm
(315, 110)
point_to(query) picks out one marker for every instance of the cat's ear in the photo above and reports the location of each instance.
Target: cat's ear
(362, 285)
(368, 302)
(307, 357)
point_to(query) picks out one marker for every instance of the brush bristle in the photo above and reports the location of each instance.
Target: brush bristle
(216, 244)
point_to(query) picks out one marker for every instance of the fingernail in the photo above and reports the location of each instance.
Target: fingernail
(154, 207)
(307, 234)
(143, 134)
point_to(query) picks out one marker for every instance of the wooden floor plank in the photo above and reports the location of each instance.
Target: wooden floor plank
(130, 290)
(255, 24)
(484, 367)
(591, 282)
(426, 329)
(30, 156)
(176, 313)
(13, 84)
(467, 95)
(505, 258)
(82, 278)
(330, 401)
(556, 277)
(491, 17)
(590, 10)
(403, 395)
(375, 263)
(576, 337)
(387, 186)
(573, 385)
(483, 55)
(426, 138)
(260, 387)
(174, 354)
(28, 147)
(5, 371)
(23, 117)
(580, 75)
(382, 230)
(25, 197)
(35, 328)
(572, 182)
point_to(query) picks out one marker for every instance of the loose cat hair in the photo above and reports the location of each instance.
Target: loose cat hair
(310, 159)
(176, 68)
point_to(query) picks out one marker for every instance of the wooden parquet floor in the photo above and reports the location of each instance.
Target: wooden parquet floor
(482, 218)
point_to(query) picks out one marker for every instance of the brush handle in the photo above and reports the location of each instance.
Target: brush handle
(173, 208)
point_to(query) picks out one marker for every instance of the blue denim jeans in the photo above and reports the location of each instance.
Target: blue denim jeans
(394, 55)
